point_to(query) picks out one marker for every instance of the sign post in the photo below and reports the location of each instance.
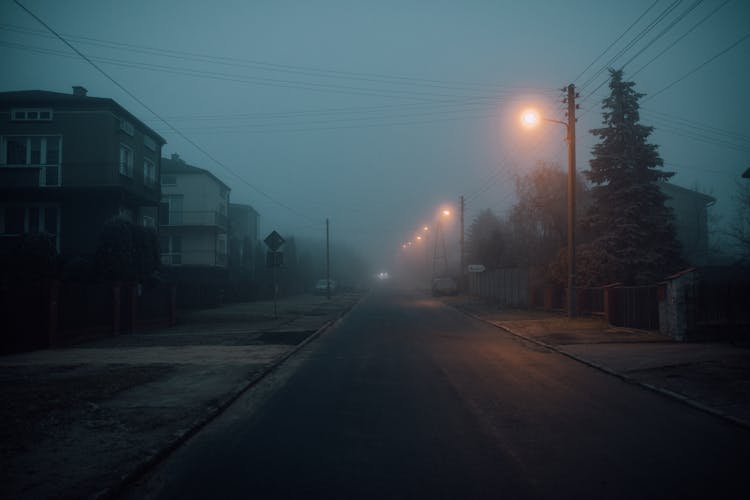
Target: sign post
(274, 260)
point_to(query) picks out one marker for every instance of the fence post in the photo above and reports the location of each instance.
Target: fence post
(116, 308)
(133, 309)
(581, 299)
(610, 307)
(52, 312)
(172, 305)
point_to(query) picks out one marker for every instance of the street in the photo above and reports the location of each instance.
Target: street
(409, 398)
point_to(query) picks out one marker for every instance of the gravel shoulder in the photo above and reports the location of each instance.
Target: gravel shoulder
(79, 421)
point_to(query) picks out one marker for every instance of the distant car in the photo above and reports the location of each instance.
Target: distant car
(444, 286)
(321, 287)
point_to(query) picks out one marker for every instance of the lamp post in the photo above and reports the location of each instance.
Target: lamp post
(531, 118)
(439, 238)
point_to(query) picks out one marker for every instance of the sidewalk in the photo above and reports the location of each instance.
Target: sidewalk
(79, 421)
(712, 376)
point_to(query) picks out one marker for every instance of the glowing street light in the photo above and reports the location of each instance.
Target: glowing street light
(446, 212)
(530, 118)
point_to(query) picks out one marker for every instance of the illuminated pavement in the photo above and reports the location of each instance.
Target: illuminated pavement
(409, 398)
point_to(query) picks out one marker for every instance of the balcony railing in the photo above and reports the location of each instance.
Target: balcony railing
(194, 258)
(30, 176)
(194, 218)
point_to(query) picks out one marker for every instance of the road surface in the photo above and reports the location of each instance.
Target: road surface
(409, 398)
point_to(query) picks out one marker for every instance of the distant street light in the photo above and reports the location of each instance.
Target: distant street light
(531, 118)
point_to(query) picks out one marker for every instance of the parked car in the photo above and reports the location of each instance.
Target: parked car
(321, 287)
(444, 286)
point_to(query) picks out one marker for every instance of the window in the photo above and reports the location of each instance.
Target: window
(170, 213)
(33, 151)
(149, 143)
(126, 160)
(168, 180)
(171, 249)
(18, 150)
(127, 127)
(149, 172)
(148, 221)
(19, 219)
(125, 213)
(31, 114)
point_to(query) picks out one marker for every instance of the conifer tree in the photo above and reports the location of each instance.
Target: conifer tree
(633, 235)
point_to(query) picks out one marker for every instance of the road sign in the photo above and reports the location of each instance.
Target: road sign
(274, 259)
(476, 268)
(274, 241)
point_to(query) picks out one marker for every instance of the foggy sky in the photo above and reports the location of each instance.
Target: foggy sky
(376, 113)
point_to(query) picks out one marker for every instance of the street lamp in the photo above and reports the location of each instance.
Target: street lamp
(530, 118)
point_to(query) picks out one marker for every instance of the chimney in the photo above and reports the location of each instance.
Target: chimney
(176, 157)
(80, 91)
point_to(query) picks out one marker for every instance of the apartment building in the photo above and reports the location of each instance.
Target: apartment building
(68, 163)
(193, 220)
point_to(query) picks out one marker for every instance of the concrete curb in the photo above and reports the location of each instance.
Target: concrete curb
(212, 413)
(664, 392)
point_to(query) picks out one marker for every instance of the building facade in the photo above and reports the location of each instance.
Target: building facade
(243, 235)
(691, 221)
(193, 219)
(70, 162)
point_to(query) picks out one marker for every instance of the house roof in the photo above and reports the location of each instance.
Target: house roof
(243, 206)
(177, 165)
(673, 190)
(72, 101)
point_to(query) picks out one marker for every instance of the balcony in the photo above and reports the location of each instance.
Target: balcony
(193, 218)
(30, 176)
(194, 258)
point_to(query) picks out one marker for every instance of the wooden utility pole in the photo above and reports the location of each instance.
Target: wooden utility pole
(328, 262)
(462, 260)
(571, 99)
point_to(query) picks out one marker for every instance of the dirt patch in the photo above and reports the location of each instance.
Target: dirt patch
(38, 400)
(51, 417)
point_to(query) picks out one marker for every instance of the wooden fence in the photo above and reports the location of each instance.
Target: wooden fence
(38, 315)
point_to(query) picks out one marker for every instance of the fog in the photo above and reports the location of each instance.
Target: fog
(377, 114)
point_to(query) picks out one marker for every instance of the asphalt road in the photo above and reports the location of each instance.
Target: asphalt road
(408, 398)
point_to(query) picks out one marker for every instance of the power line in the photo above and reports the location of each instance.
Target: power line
(153, 112)
(645, 31)
(616, 40)
(266, 66)
(676, 41)
(699, 67)
(664, 31)
(701, 126)
(651, 42)
(427, 97)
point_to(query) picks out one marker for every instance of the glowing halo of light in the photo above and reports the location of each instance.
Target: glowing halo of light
(530, 118)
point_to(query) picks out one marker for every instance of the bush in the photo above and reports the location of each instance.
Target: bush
(127, 252)
(34, 258)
